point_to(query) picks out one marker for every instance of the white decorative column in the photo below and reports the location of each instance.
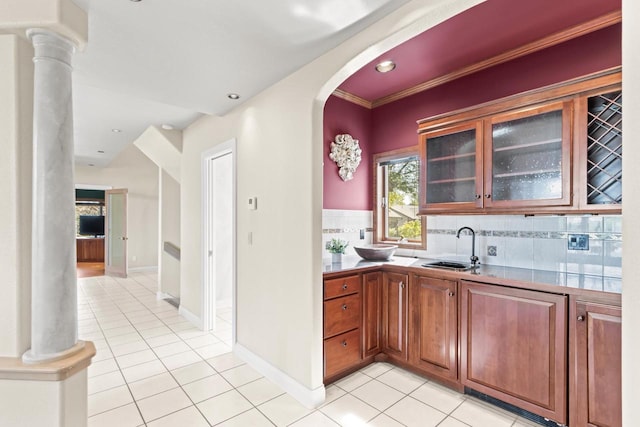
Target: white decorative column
(54, 288)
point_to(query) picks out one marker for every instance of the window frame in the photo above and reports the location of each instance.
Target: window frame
(380, 189)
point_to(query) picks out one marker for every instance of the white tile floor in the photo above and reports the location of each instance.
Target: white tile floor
(153, 368)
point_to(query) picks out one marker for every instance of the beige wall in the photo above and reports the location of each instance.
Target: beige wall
(134, 171)
(16, 122)
(169, 232)
(279, 157)
(630, 216)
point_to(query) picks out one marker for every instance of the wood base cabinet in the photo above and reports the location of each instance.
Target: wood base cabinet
(371, 314)
(342, 320)
(394, 314)
(514, 347)
(596, 376)
(433, 327)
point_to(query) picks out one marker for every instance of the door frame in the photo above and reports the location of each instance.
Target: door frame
(209, 311)
(108, 270)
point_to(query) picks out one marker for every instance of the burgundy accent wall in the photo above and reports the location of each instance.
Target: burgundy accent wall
(394, 125)
(342, 116)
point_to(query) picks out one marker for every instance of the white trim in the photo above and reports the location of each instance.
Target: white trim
(163, 295)
(93, 187)
(150, 268)
(309, 398)
(190, 316)
(208, 317)
(223, 303)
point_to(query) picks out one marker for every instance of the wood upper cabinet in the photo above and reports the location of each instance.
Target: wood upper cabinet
(520, 158)
(372, 314)
(394, 314)
(433, 327)
(514, 347)
(451, 168)
(551, 150)
(598, 136)
(595, 365)
(527, 156)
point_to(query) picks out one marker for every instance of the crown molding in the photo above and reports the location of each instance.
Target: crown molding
(352, 98)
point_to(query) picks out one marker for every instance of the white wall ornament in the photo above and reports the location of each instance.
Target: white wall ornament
(346, 152)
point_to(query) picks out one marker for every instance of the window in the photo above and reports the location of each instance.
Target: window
(396, 219)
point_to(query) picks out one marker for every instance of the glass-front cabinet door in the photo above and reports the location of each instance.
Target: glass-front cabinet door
(451, 168)
(527, 157)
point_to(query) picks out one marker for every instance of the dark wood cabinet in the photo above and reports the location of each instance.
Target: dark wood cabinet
(394, 314)
(371, 314)
(595, 365)
(341, 329)
(90, 250)
(433, 327)
(514, 347)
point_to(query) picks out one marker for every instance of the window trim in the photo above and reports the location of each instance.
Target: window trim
(379, 189)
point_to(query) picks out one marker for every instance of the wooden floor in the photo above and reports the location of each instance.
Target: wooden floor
(90, 269)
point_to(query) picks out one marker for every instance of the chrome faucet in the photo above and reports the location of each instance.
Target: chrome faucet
(474, 258)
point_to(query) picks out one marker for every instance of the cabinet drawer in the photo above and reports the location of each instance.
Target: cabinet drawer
(341, 315)
(342, 286)
(341, 352)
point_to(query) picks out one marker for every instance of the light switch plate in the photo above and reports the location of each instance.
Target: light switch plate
(253, 203)
(578, 242)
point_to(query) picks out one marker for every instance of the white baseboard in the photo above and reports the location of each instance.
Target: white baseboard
(163, 295)
(149, 268)
(197, 321)
(309, 398)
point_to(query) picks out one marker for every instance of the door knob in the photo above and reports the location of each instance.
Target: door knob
(581, 318)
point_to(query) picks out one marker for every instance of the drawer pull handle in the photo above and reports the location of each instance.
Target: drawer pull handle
(452, 294)
(344, 287)
(344, 306)
(581, 318)
(344, 343)
(402, 285)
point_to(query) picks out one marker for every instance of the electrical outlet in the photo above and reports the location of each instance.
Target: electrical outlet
(578, 242)
(492, 250)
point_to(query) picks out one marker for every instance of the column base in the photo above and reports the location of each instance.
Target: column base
(29, 357)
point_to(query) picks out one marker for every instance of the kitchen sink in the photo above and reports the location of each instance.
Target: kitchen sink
(448, 265)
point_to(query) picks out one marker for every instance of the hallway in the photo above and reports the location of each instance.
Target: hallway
(153, 368)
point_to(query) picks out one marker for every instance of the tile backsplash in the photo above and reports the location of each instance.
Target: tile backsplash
(539, 242)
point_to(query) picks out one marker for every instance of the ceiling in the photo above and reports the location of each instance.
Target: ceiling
(482, 32)
(156, 62)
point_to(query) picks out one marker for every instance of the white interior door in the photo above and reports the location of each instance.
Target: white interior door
(219, 244)
(115, 262)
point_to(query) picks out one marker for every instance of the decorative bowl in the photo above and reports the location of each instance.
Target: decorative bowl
(376, 252)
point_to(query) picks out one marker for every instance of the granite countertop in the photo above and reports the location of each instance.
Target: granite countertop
(538, 279)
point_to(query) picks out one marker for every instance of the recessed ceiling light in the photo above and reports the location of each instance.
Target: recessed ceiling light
(386, 66)
(233, 96)
(116, 130)
(166, 126)
(101, 151)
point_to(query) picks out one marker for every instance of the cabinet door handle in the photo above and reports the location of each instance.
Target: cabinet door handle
(344, 343)
(478, 196)
(344, 287)
(402, 285)
(487, 196)
(344, 306)
(452, 294)
(581, 318)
